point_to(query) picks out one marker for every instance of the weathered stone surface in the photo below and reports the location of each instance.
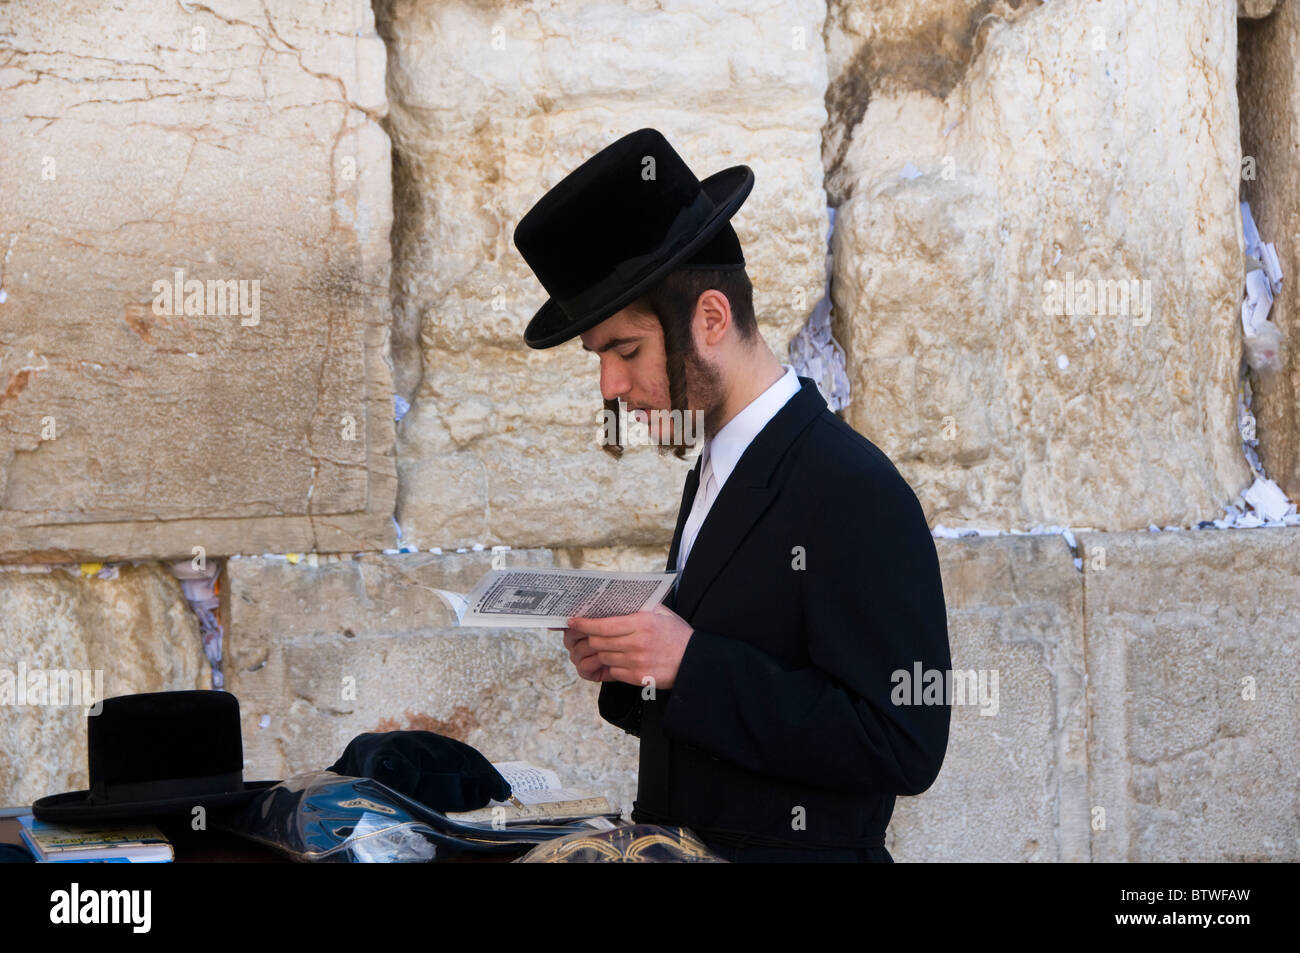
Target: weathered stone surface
(614, 558)
(1182, 627)
(237, 142)
(1183, 768)
(1013, 785)
(323, 654)
(885, 49)
(243, 141)
(481, 463)
(1269, 93)
(136, 631)
(1256, 9)
(490, 107)
(1062, 154)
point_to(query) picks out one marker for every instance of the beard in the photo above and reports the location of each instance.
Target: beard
(706, 394)
(706, 391)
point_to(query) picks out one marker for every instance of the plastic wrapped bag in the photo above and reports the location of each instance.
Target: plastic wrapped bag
(326, 817)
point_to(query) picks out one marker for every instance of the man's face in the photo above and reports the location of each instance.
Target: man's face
(633, 365)
(634, 368)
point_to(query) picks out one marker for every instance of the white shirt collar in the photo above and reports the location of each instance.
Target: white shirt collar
(727, 445)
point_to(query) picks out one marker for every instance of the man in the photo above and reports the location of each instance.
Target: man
(778, 692)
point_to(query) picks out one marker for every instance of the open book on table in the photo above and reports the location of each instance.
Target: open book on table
(537, 797)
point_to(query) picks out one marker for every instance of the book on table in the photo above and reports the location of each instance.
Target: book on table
(538, 797)
(112, 843)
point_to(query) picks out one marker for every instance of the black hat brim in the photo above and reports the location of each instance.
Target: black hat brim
(75, 808)
(728, 189)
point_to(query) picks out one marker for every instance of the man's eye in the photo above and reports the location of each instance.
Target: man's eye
(631, 353)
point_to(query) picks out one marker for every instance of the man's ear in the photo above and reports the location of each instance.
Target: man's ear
(712, 315)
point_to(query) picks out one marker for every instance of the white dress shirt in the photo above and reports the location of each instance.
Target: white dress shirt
(723, 450)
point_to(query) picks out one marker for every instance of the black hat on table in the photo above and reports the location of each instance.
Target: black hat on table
(617, 224)
(432, 769)
(158, 754)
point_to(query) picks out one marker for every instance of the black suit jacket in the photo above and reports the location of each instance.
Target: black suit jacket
(784, 703)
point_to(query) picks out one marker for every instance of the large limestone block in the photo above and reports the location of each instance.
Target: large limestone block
(237, 145)
(1193, 677)
(117, 636)
(318, 655)
(1269, 92)
(490, 107)
(1088, 150)
(1013, 785)
(885, 48)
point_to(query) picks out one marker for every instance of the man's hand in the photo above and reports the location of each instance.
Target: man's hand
(584, 657)
(628, 648)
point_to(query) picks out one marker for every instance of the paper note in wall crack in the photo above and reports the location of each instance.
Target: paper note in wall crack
(546, 598)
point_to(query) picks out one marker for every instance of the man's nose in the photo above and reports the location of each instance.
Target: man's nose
(613, 382)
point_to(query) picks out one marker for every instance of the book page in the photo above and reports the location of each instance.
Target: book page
(539, 796)
(549, 796)
(511, 813)
(546, 598)
(526, 778)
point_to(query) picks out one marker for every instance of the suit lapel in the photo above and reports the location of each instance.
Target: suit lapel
(746, 495)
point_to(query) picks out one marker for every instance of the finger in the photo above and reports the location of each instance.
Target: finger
(621, 674)
(576, 640)
(602, 675)
(613, 648)
(590, 668)
(614, 643)
(624, 663)
(611, 625)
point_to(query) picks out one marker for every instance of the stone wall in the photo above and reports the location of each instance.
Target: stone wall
(321, 654)
(366, 168)
(491, 106)
(1063, 159)
(233, 154)
(1143, 710)
(72, 639)
(1270, 128)
(1140, 709)
(1192, 680)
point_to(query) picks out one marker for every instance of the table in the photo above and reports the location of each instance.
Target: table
(222, 847)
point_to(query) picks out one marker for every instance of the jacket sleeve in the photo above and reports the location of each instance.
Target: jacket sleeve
(874, 617)
(620, 704)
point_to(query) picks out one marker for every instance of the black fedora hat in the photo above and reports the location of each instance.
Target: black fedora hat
(618, 223)
(157, 754)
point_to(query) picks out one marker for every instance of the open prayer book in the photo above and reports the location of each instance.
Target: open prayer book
(537, 797)
(546, 598)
